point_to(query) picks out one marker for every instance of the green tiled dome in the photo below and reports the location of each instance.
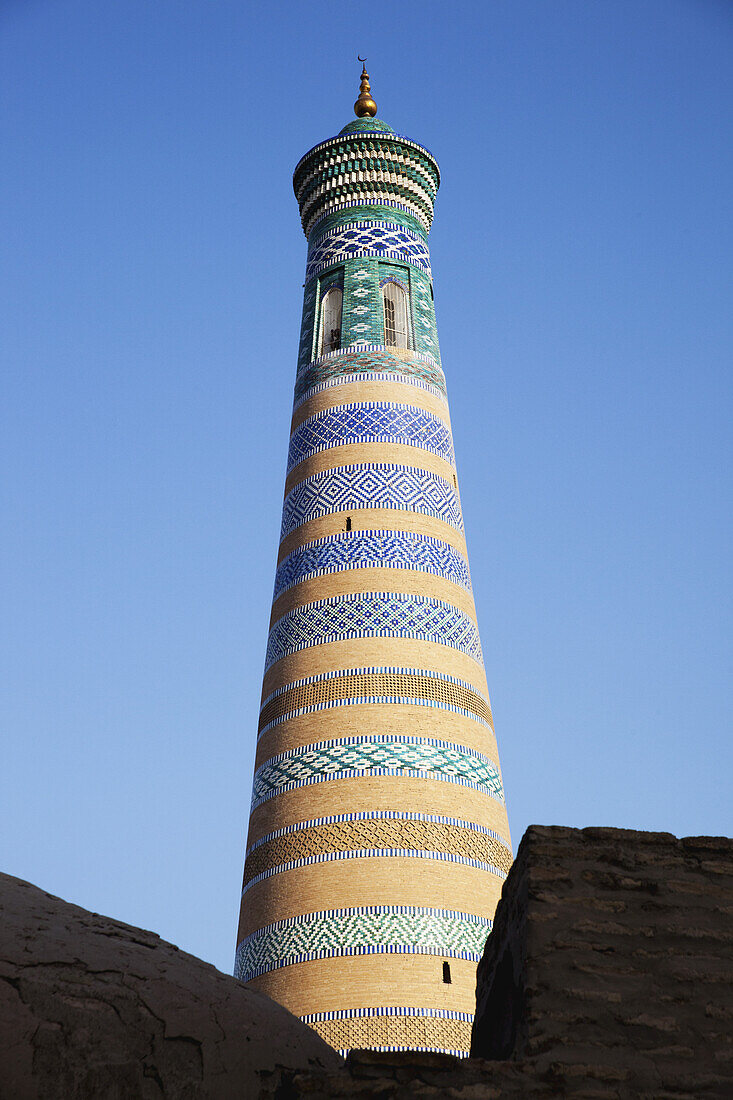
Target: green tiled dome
(363, 125)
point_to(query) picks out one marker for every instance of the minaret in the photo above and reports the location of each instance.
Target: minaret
(378, 835)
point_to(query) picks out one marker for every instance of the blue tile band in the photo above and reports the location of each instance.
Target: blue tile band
(371, 422)
(373, 615)
(372, 550)
(373, 238)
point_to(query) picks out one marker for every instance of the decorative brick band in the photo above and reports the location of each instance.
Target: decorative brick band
(365, 359)
(381, 815)
(370, 422)
(375, 685)
(383, 549)
(368, 238)
(369, 930)
(394, 1029)
(373, 755)
(411, 837)
(373, 615)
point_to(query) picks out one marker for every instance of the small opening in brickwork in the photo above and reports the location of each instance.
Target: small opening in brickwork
(446, 973)
(348, 523)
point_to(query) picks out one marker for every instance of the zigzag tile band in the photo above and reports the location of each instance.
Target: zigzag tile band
(364, 359)
(378, 754)
(371, 550)
(385, 240)
(375, 837)
(373, 615)
(370, 485)
(394, 1029)
(370, 422)
(374, 929)
(376, 685)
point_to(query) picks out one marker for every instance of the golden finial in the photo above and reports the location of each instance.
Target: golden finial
(364, 105)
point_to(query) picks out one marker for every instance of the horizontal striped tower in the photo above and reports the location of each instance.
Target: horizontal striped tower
(378, 836)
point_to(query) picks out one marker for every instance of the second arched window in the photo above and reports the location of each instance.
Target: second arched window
(396, 315)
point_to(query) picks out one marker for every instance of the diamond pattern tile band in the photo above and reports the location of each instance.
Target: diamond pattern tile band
(373, 615)
(350, 687)
(371, 422)
(372, 550)
(374, 929)
(376, 754)
(370, 485)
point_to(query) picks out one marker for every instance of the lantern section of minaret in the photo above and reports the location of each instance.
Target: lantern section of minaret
(378, 836)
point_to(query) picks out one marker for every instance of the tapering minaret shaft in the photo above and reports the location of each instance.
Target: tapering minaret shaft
(378, 837)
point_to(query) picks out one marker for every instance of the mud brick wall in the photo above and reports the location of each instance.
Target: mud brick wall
(613, 950)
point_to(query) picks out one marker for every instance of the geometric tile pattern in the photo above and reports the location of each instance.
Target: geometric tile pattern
(365, 360)
(381, 815)
(378, 754)
(350, 687)
(375, 837)
(367, 930)
(376, 166)
(371, 485)
(370, 550)
(369, 376)
(373, 615)
(370, 422)
(394, 1029)
(356, 239)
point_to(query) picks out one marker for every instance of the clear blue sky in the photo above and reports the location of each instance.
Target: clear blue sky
(150, 298)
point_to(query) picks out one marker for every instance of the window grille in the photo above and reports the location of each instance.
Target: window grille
(396, 316)
(331, 320)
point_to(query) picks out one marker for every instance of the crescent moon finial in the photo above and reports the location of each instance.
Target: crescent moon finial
(365, 105)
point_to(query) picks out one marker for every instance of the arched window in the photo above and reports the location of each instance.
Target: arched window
(331, 320)
(396, 315)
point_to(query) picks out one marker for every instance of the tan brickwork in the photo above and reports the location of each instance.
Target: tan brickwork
(371, 981)
(398, 453)
(377, 652)
(377, 793)
(390, 719)
(377, 880)
(400, 393)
